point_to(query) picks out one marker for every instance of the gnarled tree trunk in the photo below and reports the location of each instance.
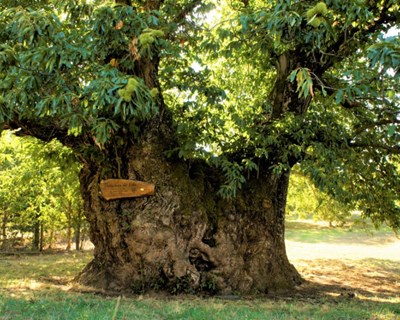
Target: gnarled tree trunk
(185, 238)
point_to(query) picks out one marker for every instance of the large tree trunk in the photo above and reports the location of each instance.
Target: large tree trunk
(185, 238)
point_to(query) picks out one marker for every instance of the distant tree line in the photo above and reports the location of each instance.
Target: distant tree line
(40, 202)
(306, 201)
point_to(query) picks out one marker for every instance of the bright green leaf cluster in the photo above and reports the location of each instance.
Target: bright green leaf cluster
(315, 15)
(131, 87)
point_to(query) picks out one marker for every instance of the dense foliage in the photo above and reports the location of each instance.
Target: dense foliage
(306, 201)
(39, 193)
(250, 82)
(345, 65)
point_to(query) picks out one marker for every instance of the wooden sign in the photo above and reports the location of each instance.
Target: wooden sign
(120, 188)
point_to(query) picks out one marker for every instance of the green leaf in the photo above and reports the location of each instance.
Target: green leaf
(391, 130)
(244, 22)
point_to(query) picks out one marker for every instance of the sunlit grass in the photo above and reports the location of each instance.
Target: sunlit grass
(20, 275)
(85, 306)
(310, 232)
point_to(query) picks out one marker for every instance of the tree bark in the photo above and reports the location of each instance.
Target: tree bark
(185, 238)
(51, 239)
(77, 237)
(68, 215)
(41, 239)
(83, 237)
(36, 234)
(69, 236)
(4, 231)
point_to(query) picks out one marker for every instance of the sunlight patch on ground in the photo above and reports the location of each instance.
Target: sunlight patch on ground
(306, 239)
(301, 250)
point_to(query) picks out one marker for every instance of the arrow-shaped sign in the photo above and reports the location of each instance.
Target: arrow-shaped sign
(120, 188)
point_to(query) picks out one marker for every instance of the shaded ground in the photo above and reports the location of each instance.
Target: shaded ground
(359, 267)
(367, 279)
(345, 263)
(23, 275)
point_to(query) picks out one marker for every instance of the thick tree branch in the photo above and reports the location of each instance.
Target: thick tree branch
(346, 103)
(245, 3)
(125, 2)
(186, 10)
(357, 36)
(376, 124)
(390, 149)
(44, 132)
(322, 85)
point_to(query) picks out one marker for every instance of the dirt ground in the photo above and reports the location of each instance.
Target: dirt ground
(365, 269)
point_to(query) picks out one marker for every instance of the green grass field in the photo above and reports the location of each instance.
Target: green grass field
(40, 287)
(308, 231)
(78, 306)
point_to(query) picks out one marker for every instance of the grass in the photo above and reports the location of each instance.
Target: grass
(63, 305)
(39, 287)
(26, 270)
(307, 231)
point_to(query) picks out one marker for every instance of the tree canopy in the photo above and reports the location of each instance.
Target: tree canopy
(73, 71)
(344, 68)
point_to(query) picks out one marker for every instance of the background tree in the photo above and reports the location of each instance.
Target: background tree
(276, 83)
(39, 191)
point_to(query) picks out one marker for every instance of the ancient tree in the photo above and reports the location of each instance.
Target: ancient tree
(213, 103)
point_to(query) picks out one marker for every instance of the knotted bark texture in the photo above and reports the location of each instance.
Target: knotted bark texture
(185, 238)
